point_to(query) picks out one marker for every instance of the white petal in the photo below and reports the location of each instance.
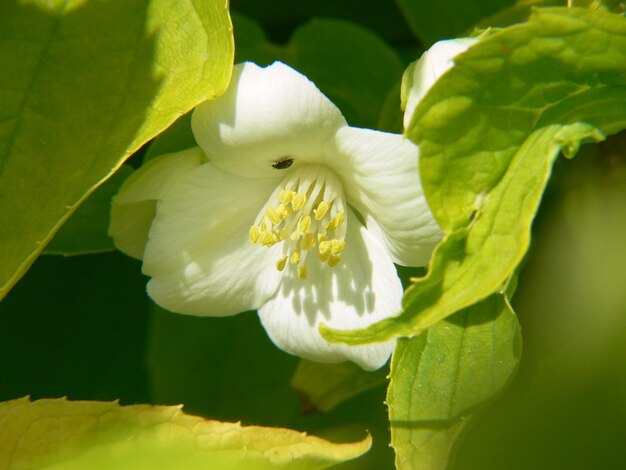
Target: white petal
(433, 64)
(381, 179)
(199, 256)
(267, 114)
(364, 288)
(134, 206)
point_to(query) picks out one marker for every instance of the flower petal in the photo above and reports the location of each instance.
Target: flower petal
(134, 206)
(267, 114)
(362, 289)
(199, 255)
(381, 179)
(433, 64)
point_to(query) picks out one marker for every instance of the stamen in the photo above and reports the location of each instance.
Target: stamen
(304, 224)
(298, 201)
(273, 215)
(285, 196)
(337, 246)
(306, 210)
(254, 233)
(321, 210)
(281, 263)
(335, 222)
(308, 241)
(267, 238)
(334, 260)
(284, 211)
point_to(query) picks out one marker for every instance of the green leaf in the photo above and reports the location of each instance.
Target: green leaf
(91, 434)
(83, 85)
(512, 103)
(439, 379)
(324, 386)
(444, 19)
(86, 230)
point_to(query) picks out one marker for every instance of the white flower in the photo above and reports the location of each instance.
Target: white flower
(270, 215)
(426, 71)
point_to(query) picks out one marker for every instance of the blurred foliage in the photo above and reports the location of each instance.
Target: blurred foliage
(566, 408)
(445, 19)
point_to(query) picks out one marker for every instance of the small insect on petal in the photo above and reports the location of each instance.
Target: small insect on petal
(283, 163)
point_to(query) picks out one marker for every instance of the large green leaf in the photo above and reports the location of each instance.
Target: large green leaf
(82, 86)
(489, 132)
(444, 19)
(440, 378)
(84, 434)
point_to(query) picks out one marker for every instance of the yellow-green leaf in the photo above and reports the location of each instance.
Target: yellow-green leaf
(439, 379)
(89, 434)
(83, 84)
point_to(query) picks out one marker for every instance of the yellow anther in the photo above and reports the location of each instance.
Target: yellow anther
(308, 241)
(324, 247)
(302, 272)
(297, 202)
(273, 215)
(339, 218)
(334, 260)
(337, 246)
(280, 264)
(267, 238)
(295, 257)
(285, 196)
(294, 236)
(335, 221)
(284, 211)
(321, 237)
(324, 256)
(304, 224)
(254, 234)
(321, 210)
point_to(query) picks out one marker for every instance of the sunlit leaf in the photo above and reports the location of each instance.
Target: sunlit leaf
(83, 85)
(68, 434)
(489, 132)
(324, 386)
(440, 378)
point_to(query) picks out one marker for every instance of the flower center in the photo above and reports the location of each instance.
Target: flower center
(306, 211)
